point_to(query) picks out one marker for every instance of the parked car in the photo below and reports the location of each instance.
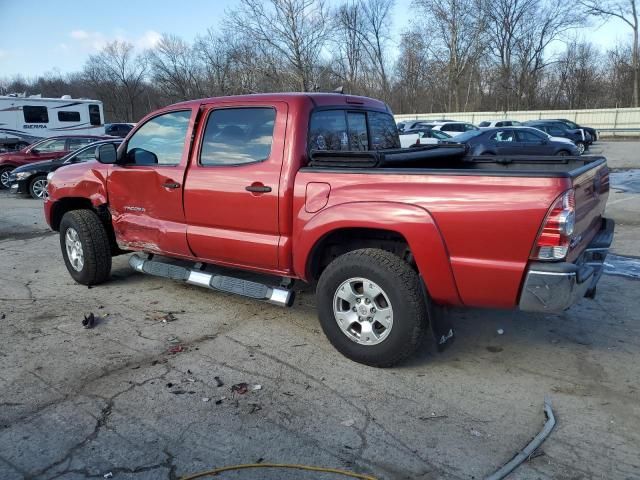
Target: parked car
(574, 126)
(32, 178)
(453, 128)
(118, 129)
(514, 141)
(422, 136)
(47, 149)
(498, 123)
(270, 184)
(406, 125)
(557, 129)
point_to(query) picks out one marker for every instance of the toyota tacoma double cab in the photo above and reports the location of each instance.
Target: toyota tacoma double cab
(247, 194)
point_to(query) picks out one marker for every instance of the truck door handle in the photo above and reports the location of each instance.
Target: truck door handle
(171, 185)
(257, 188)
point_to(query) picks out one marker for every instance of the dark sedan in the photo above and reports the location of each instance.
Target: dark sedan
(574, 126)
(32, 179)
(514, 141)
(581, 138)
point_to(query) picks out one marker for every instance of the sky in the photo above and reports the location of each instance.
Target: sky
(49, 36)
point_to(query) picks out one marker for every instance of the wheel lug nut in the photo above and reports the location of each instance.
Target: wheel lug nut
(369, 318)
(354, 309)
(357, 300)
(367, 301)
(373, 310)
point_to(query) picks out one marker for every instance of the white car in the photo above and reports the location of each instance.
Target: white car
(499, 123)
(453, 128)
(421, 136)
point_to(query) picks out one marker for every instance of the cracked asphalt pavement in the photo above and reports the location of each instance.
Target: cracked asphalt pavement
(137, 395)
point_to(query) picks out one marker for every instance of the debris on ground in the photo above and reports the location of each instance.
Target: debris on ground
(176, 349)
(256, 387)
(240, 388)
(433, 416)
(219, 382)
(219, 401)
(108, 475)
(3, 316)
(169, 317)
(162, 317)
(205, 399)
(173, 340)
(255, 407)
(191, 380)
(169, 385)
(500, 331)
(89, 321)
(475, 433)
(348, 423)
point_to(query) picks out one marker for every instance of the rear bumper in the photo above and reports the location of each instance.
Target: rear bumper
(554, 287)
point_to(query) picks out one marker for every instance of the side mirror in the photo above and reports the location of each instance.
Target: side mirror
(140, 156)
(107, 153)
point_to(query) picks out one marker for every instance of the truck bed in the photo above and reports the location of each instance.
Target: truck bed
(452, 160)
(487, 210)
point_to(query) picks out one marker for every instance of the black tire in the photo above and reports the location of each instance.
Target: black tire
(399, 282)
(36, 181)
(95, 246)
(581, 147)
(562, 153)
(4, 171)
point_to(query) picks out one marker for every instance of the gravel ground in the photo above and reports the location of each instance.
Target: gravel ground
(79, 403)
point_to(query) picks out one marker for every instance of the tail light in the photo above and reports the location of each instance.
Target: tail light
(555, 236)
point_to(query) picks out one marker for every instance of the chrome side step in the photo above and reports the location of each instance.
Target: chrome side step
(221, 283)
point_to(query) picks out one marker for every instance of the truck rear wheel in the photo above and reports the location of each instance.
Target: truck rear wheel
(85, 247)
(371, 307)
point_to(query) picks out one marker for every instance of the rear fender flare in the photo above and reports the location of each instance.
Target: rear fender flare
(414, 223)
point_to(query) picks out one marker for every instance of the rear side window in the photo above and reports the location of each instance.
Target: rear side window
(358, 136)
(69, 116)
(487, 124)
(383, 131)
(235, 136)
(86, 155)
(555, 131)
(451, 127)
(528, 137)
(94, 114)
(468, 127)
(337, 130)
(328, 130)
(160, 141)
(34, 114)
(503, 136)
(54, 145)
(76, 143)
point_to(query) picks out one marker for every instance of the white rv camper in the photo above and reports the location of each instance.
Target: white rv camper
(24, 120)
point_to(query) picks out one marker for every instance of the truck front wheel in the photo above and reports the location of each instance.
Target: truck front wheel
(371, 307)
(85, 247)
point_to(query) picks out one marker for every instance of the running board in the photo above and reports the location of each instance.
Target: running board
(221, 283)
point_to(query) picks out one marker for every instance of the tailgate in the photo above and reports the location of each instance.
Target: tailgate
(591, 193)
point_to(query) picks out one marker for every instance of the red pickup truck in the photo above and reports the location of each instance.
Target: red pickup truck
(314, 187)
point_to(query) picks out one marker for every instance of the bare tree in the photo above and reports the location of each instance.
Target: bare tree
(375, 35)
(297, 30)
(349, 58)
(119, 74)
(458, 28)
(175, 69)
(627, 11)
